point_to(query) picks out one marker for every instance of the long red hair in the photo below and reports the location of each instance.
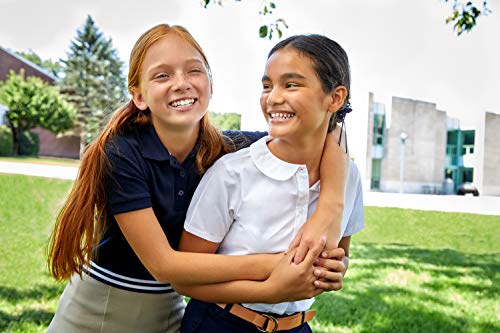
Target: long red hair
(81, 220)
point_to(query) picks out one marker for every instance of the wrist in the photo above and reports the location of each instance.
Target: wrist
(269, 292)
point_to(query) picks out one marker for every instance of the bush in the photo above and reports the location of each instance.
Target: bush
(6, 144)
(29, 144)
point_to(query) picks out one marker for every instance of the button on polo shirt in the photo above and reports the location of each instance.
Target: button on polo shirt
(144, 174)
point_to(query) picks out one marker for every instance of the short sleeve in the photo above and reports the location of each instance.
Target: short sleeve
(214, 204)
(126, 182)
(357, 218)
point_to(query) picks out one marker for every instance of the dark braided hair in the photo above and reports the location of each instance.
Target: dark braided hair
(330, 64)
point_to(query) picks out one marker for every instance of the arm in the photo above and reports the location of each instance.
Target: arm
(149, 242)
(298, 279)
(327, 218)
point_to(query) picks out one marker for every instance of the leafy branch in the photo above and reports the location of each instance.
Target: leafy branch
(465, 15)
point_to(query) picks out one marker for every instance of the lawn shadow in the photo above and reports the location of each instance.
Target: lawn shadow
(8, 322)
(369, 305)
(38, 294)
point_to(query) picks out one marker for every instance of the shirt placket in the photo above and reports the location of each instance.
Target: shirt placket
(180, 184)
(302, 198)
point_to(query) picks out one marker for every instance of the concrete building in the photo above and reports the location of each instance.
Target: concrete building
(423, 147)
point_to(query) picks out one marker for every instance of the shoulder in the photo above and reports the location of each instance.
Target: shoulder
(123, 143)
(354, 171)
(124, 146)
(233, 162)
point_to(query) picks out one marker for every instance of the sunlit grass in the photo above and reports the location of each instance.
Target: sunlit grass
(410, 271)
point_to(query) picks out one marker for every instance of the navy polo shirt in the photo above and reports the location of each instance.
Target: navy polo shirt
(144, 174)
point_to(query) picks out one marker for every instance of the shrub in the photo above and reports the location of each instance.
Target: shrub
(6, 145)
(29, 143)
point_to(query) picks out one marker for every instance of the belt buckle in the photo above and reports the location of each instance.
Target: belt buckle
(269, 318)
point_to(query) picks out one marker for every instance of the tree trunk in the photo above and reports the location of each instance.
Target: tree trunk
(15, 141)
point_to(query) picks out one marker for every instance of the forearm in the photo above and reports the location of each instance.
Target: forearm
(242, 291)
(200, 268)
(334, 171)
(165, 264)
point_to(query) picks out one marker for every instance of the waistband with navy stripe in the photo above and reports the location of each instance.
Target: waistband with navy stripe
(124, 282)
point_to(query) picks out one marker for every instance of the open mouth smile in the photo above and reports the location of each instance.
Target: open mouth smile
(281, 115)
(183, 103)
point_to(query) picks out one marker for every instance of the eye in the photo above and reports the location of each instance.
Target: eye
(291, 85)
(266, 86)
(161, 76)
(196, 71)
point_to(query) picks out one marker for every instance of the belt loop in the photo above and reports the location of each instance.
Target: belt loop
(303, 316)
(227, 308)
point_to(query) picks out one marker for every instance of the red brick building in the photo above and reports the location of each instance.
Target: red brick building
(50, 145)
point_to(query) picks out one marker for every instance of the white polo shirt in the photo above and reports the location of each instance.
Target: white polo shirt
(252, 202)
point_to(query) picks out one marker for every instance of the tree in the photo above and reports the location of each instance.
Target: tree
(54, 67)
(464, 16)
(33, 103)
(225, 121)
(93, 80)
(266, 10)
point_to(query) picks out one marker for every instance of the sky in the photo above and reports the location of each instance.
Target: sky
(397, 48)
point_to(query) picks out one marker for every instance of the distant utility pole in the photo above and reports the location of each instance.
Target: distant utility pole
(403, 136)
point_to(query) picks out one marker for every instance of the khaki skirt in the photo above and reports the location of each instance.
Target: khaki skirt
(89, 306)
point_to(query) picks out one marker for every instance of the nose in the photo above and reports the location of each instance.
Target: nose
(180, 81)
(274, 97)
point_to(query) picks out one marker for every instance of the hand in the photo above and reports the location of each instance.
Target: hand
(291, 282)
(330, 268)
(305, 239)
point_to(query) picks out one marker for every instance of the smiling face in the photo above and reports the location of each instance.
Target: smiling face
(293, 100)
(174, 84)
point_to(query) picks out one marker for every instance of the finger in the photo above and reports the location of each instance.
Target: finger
(315, 250)
(328, 286)
(329, 276)
(296, 241)
(300, 254)
(289, 255)
(331, 264)
(337, 253)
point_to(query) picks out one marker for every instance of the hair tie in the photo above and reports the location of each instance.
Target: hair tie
(342, 112)
(341, 118)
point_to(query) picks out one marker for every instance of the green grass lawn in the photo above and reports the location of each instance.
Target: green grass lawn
(410, 271)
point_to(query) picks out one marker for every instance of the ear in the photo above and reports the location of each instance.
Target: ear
(139, 100)
(338, 97)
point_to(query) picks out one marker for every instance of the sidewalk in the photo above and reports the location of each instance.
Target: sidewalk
(486, 205)
(40, 170)
(446, 203)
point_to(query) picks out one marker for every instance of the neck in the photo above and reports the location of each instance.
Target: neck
(179, 142)
(306, 150)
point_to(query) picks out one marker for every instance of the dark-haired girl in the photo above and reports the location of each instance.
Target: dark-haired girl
(257, 199)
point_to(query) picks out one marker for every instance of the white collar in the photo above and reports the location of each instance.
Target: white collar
(270, 165)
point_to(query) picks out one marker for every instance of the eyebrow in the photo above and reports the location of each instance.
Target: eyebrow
(285, 76)
(187, 62)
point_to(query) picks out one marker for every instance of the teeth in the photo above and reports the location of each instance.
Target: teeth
(281, 115)
(183, 102)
